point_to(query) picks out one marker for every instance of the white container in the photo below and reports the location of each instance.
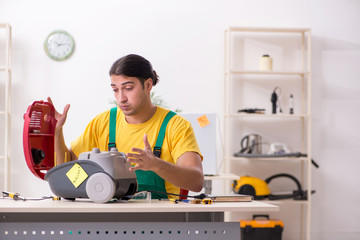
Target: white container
(265, 63)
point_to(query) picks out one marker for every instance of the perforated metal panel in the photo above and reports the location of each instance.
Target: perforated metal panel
(120, 230)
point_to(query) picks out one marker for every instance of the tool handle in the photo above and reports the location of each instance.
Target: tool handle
(261, 215)
(14, 196)
(273, 101)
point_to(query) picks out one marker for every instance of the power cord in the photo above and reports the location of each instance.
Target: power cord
(16, 197)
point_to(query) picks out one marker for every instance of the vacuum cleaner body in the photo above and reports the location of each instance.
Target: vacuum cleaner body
(100, 176)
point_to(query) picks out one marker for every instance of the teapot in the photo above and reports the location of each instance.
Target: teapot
(251, 144)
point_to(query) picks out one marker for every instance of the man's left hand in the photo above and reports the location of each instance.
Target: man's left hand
(142, 158)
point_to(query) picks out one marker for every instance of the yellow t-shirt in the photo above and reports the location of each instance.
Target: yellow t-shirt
(179, 137)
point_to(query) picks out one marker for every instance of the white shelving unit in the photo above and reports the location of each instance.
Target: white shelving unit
(5, 87)
(245, 86)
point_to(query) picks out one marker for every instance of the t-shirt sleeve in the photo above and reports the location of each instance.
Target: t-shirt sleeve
(89, 138)
(183, 138)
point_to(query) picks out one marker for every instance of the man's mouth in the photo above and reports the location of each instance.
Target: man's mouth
(124, 107)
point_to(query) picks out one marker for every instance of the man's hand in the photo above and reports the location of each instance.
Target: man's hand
(186, 173)
(142, 158)
(60, 117)
(61, 149)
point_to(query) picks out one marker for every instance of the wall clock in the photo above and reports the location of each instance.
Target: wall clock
(59, 45)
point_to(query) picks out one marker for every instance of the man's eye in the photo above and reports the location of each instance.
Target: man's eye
(115, 89)
(128, 88)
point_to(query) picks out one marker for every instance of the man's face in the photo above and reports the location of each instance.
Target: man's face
(130, 95)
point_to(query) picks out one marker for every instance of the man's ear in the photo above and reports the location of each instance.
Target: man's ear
(148, 84)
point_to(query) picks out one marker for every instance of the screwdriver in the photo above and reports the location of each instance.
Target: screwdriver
(14, 196)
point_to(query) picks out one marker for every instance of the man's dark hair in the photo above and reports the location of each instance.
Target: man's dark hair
(133, 65)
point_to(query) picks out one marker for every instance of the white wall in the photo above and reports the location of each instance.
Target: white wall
(184, 41)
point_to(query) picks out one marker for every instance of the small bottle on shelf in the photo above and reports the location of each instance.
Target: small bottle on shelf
(291, 104)
(265, 63)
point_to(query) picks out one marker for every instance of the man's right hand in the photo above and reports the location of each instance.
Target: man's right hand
(63, 154)
(60, 117)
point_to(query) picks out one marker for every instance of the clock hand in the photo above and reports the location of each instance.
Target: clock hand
(63, 44)
(60, 44)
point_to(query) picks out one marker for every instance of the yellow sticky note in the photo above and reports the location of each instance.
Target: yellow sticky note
(203, 121)
(76, 175)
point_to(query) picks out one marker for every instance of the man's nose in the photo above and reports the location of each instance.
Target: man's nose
(123, 97)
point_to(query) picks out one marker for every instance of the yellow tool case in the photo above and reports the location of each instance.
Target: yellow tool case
(261, 229)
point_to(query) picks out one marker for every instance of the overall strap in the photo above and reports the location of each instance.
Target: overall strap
(112, 128)
(161, 135)
(147, 180)
(159, 140)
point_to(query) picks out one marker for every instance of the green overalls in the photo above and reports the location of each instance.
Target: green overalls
(147, 180)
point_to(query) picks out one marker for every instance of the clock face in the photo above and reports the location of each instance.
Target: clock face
(59, 45)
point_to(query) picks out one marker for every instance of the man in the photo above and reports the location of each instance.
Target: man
(137, 125)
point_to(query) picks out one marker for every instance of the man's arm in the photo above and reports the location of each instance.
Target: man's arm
(63, 154)
(186, 174)
(61, 150)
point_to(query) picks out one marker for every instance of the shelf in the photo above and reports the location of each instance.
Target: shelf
(268, 30)
(268, 72)
(245, 85)
(286, 202)
(227, 176)
(270, 159)
(3, 69)
(265, 116)
(4, 25)
(5, 134)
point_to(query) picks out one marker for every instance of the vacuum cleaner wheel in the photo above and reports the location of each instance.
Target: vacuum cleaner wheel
(100, 187)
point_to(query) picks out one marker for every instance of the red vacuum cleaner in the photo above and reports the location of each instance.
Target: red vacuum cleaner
(38, 137)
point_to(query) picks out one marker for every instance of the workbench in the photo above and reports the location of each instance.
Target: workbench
(134, 219)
